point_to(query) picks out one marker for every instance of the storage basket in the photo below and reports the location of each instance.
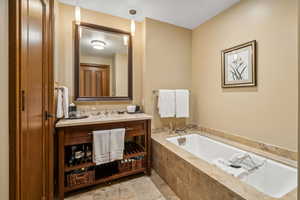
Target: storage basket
(81, 178)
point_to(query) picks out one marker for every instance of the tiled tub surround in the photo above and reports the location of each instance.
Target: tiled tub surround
(193, 178)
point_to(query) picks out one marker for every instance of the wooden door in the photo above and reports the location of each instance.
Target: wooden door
(31, 173)
(94, 80)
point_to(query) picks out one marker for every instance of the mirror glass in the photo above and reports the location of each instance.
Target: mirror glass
(104, 59)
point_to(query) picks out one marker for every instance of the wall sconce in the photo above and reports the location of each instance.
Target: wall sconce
(132, 25)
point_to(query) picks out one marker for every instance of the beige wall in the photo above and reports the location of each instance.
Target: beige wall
(96, 60)
(167, 62)
(268, 112)
(4, 100)
(121, 74)
(64, 48)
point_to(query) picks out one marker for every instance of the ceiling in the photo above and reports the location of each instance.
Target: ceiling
(114, 43)
(184, 13)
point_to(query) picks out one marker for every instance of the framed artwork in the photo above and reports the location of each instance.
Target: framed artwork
(239, 66)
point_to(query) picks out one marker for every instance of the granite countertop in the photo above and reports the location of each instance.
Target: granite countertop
(242, 189)
(102, 120)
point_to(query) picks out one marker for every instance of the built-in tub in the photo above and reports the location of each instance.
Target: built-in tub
(273, 178)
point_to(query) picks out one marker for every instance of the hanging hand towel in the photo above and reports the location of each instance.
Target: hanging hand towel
(101, 144)
(166, 103)
(59, 104)
(182, 104)
(62, 109)
(66, 101)
(117, 140)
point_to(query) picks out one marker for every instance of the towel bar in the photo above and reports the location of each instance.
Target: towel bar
(156, 91)
(126, 129)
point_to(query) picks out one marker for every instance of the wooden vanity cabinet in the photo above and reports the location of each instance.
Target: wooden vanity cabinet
(138, 132)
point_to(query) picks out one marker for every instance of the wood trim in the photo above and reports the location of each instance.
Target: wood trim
(77, 96)
(149, 150)
(14, 104)
(93, 65)
(51, 107)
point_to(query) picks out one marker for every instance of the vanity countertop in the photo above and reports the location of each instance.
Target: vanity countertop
(102, 120)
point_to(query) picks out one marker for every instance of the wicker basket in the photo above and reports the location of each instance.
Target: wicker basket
(124, 166)
(130, 165)
(139, 163)
(80, 179)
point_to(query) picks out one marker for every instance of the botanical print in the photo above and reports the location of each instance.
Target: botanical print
(238, 66)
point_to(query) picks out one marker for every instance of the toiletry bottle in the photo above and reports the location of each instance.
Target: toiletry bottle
(72, 110)
(72, 158)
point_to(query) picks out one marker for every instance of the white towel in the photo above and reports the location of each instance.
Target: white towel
(225, 166)
(59, 109)
(101, 144)
(182, 104)
(166, 103)
(117, 140)
(62, 102)
(66, 101)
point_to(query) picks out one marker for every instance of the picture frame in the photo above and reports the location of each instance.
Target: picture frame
(239, 66)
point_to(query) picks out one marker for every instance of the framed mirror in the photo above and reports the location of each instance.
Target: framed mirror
(103, 63)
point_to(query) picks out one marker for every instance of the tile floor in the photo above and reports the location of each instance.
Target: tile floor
(134, 188)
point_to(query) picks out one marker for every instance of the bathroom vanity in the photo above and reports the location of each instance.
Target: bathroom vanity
(74, 174)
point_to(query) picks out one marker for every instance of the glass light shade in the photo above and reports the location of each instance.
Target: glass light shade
(97, 44)
(125, 38)
(77, 15)
(132, 27)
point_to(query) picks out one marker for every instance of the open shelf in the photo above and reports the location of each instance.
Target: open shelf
(126, 156)
(84, 165)
(109, 178)
(131, 150)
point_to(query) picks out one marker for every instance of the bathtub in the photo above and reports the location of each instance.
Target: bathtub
(273, 178)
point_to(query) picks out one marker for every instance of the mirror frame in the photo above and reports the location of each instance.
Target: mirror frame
(77, 96)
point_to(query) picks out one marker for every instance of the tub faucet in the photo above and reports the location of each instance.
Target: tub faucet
(181, 139)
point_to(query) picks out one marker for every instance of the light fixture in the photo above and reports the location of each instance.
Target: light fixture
(125, 38)
(98, 44)
(132, 25)
(77, 13)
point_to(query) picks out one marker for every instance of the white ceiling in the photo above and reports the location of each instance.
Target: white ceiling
(184, 13)
(114, 43)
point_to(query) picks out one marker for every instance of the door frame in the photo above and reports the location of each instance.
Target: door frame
(15, 20)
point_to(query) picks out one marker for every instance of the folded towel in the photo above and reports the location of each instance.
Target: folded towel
(117, 140)
(225, 166)
(182, 103)
(62, 109)
(166, 103)
(246, 160)
(101, 144)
